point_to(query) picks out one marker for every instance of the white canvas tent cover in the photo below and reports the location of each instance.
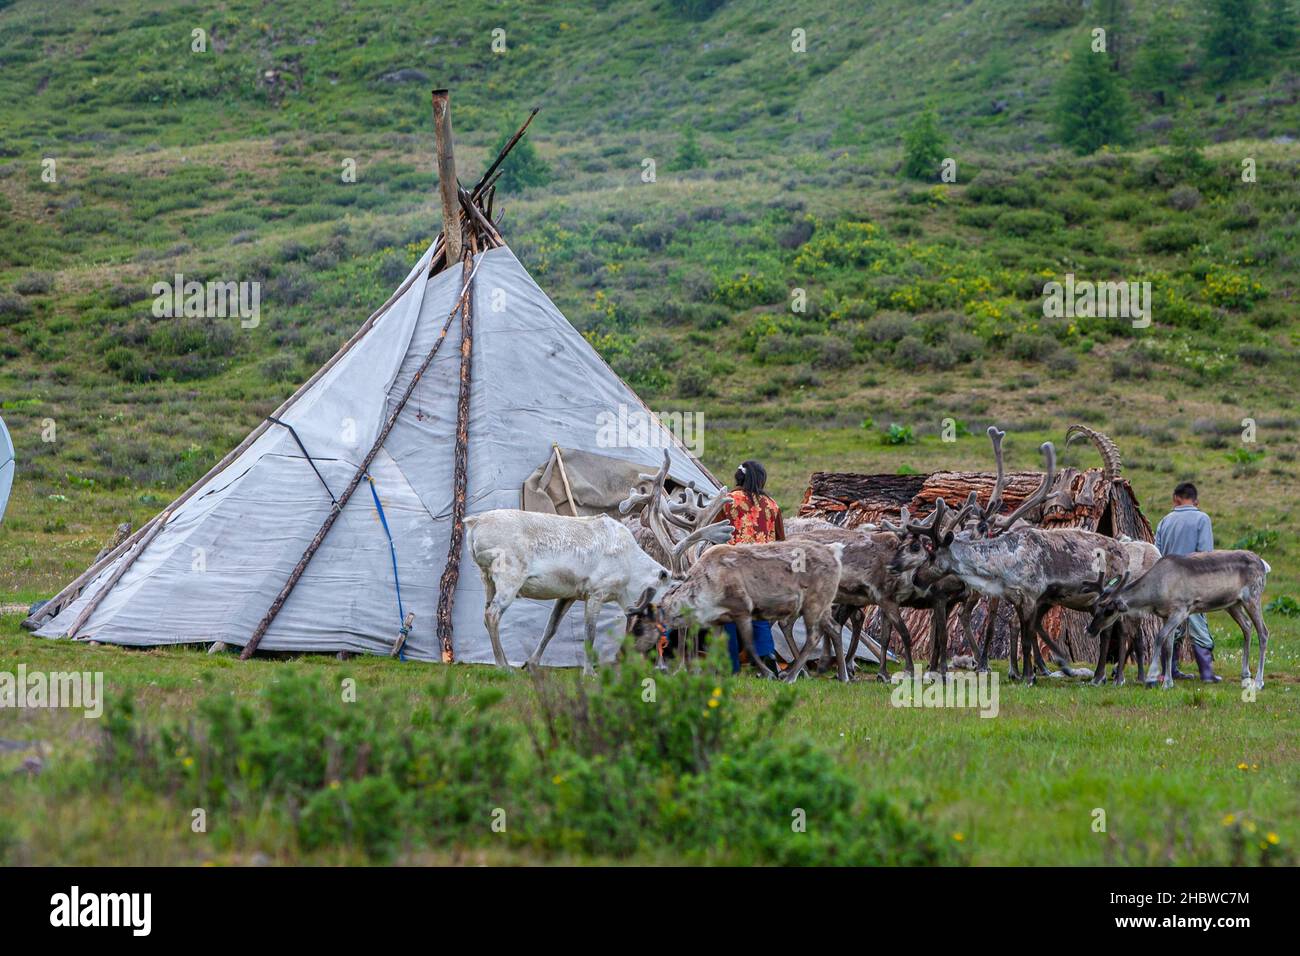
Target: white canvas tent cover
(6, 467)
(219, 562)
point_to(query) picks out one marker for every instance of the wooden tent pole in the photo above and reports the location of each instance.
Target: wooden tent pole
(564, 477)
(505, 151)
(476, 214)
(116, 576)
(447, 184)
(451, 571)
(337, 509)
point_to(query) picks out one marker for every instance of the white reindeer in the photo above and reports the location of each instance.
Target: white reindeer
(564, 559)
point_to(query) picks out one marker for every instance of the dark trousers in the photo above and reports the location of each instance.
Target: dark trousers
(764, 646)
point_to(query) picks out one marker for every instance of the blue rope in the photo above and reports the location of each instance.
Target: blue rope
(392, 550)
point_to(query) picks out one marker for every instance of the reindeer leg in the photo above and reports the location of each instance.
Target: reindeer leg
(885, 628)
(832, 631)
(901, 626)
(967, 634)
(1139, 651)
(1103, 649)
(939, 639)
(560, 609)
(686, 637)
(850, 658)
(811, 641)
(500, 596)
(1123, 636)
(1163, 652)
(1238, 613)
(591, 612)
(1058, 656)
(1028, 624)
(1261, 632)
(787, 629)
(1243, 622)
(1014, 646)
(989, 627)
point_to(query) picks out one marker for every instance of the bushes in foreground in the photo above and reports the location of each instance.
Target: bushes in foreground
(635, 763)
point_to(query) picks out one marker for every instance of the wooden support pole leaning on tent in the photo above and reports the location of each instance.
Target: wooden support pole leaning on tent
(116, 576)
(251, 647)
(460, 480)
(447, 185)
(564, 478)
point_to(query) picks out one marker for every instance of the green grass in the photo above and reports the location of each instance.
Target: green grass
(1020, 788)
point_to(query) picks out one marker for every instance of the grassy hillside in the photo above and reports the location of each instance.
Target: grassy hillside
(923, 300)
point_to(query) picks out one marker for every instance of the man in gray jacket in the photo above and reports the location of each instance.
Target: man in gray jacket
(1186, 530)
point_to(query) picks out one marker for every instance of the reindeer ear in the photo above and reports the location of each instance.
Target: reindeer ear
(947, 539)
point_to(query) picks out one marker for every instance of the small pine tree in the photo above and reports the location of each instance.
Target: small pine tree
(689, 154)
(523, 168)
(923, 147)
(1092, 106)
(1185, 157)
(1158, 70)
(1231, 38)
(1281, 25)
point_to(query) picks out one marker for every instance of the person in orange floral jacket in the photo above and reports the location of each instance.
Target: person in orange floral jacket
(756, 519)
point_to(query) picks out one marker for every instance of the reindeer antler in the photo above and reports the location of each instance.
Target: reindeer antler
(683, 554)
(994, 504)
(1000, 525)
(929, 526)
(1111, 459)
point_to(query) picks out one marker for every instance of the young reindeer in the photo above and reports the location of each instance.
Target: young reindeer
(778, 581)
(1032, 568)
(1181, 585)
(1142, 555)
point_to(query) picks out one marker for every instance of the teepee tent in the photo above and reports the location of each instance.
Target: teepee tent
(340, 516)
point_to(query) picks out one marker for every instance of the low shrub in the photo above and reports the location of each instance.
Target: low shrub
(35, 283)
(634, 762)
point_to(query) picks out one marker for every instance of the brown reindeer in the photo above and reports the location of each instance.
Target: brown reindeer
(736, 584)
(1181, 585)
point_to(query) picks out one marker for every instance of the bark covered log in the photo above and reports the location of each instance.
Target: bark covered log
(460, 480)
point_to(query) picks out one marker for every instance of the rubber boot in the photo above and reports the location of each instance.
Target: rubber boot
(1180, 675)
(1204, 661)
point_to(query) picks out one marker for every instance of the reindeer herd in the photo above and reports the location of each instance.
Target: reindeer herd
(661, 561)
